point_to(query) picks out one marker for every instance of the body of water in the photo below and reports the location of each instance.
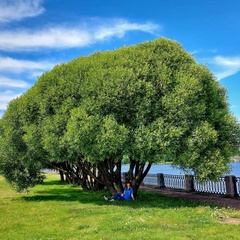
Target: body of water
(168, 169)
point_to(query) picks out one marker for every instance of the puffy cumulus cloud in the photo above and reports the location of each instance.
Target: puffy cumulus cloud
(225, 66)
(60, 37)
(15, 10)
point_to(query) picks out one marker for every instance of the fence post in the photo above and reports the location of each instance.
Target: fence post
(231, 186)
(160, 180)
(189, 186)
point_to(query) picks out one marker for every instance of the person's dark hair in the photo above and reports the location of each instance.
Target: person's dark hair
(129, 183)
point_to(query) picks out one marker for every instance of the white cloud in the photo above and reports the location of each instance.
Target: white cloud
(228, 61)
(195, 52)
(52, 37)
(11, 72)
(60, 37)
(12, 83)
(14, 10)
(6, 97)
(121, 27)
(8, 64)
(226, 66)
(203, 51)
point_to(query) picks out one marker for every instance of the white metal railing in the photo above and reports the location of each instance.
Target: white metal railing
(218, 187)
(238, 185)
(174, 181)
(181, 182)
(150, 179)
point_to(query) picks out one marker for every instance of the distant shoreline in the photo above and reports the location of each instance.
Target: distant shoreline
(235, 159)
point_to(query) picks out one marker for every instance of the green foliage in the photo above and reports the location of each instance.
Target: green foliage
(96, 137)
(145, 103)
(17, 161)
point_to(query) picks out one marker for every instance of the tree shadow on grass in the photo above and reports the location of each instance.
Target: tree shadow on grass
(57, 191)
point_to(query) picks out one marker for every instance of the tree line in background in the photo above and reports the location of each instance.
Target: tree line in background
(143, 104)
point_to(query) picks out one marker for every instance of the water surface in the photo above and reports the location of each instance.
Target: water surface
(168, 169)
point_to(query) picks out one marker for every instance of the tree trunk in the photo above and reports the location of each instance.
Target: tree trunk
(105, 173)
(136, 173)
(61, 175)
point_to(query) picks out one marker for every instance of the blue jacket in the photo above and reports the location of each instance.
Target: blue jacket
(127, 193)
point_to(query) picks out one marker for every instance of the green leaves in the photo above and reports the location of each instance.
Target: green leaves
(145, 103)
(96, 137)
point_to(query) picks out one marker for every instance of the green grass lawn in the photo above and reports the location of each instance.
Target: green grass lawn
(59, 211)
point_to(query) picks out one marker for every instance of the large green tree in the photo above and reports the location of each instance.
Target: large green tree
(144, 102)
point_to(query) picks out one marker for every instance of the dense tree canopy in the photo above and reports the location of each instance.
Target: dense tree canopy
(145, 103)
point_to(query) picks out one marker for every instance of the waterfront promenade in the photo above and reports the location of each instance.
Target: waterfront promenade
(194, 196)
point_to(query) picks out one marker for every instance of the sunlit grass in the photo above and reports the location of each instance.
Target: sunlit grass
(59, 211)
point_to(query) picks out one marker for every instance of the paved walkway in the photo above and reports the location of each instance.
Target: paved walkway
(199, 197)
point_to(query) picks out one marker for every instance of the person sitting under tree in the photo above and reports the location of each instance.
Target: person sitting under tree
(128, 194)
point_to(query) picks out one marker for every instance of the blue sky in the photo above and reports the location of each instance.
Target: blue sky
(35, 35)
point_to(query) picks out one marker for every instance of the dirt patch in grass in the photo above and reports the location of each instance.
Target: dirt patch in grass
(235, 221)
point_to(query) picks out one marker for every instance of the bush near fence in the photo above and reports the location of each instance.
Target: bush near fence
(226, 186)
